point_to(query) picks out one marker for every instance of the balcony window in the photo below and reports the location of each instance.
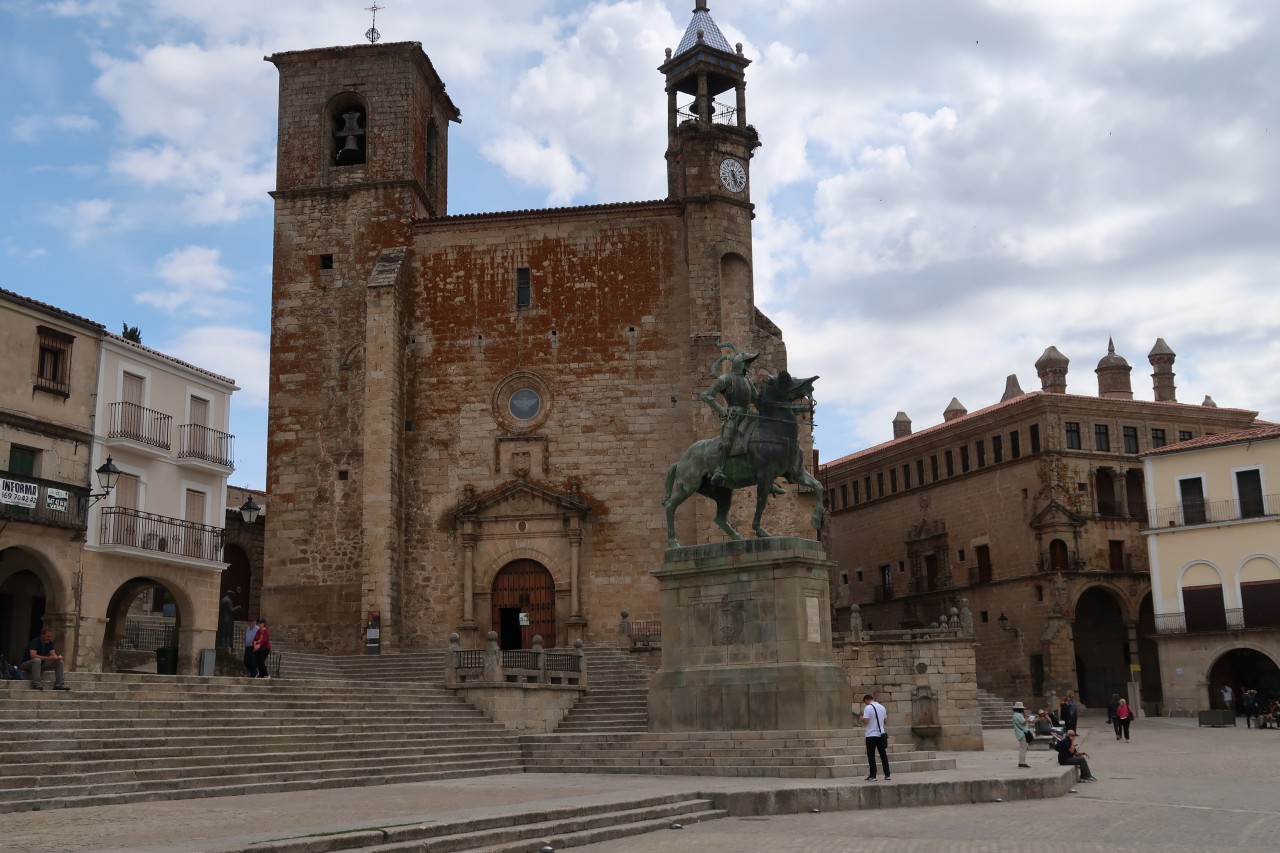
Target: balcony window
(1191, 494)
(1101, 437)
(1249, 490)
(1157, 438)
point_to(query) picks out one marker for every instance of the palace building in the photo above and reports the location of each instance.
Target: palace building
(471, 415)
(1031, 511)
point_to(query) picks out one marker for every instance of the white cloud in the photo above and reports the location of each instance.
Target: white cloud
(232, 351)
(32, 128)
(194, 283)
(538, 165)
(85, 220)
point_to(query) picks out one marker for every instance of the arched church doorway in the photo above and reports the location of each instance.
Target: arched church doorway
(524, 605)
(1243, 668)
(1102, 647)
(142, 617)
(23, 602)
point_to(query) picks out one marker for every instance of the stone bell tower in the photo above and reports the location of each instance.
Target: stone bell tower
(362, 154)
(709, 150)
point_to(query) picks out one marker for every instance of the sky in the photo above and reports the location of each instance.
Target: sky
(945, 188)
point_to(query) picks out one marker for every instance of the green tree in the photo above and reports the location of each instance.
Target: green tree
(131, 333)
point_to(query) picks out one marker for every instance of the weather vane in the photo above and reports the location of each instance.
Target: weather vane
(373, 35)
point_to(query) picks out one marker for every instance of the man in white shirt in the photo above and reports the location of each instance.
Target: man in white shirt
(250, 656)
(1228, 697)
(873, 718)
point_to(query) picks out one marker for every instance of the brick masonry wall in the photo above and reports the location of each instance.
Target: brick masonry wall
(896, 670)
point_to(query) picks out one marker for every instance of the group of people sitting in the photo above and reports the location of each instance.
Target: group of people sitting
(1062, 737)
(1269, 714)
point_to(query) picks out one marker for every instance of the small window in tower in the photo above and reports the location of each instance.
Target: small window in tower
(347, 123)
(326, 263)
(1033, 432)
(342, 474)
(524, 291)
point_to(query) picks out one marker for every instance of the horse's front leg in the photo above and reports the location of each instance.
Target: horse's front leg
(763, 488)
(819, 508)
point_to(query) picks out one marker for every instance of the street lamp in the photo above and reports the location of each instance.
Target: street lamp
(249, 511)
(1004, 625)
(108, 475)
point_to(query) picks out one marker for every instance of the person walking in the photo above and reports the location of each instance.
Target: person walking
(1124, 716)
(1228, 698)
(250, 653)
(1112, 707)
(1022, 732)
(1249, 704)
(873, 718)
(261, 648)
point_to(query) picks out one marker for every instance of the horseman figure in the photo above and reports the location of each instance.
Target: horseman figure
(739, 396)
(753, 449)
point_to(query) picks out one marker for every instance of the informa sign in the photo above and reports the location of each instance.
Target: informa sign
(18, 493)
(56, 500)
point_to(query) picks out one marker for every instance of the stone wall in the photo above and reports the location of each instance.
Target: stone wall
(925, 679)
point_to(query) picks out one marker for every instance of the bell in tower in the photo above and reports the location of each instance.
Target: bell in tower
(704, 67)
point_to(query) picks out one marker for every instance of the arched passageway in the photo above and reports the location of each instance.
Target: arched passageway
(1102, 647)
(142, 617)
(23, 601)
(1243, 668)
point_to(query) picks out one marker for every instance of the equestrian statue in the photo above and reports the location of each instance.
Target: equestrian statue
(754, 448)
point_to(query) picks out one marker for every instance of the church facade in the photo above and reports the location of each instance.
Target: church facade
(471, 415)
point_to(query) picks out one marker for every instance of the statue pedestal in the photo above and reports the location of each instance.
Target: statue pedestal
(746, 640)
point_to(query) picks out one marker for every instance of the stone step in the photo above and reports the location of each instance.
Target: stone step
(278, 767)
(560, 828)
(115, 758)
(226, 788)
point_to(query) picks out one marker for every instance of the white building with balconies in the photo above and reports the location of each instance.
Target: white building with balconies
(156, 540)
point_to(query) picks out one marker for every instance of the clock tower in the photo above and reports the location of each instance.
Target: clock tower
(709, 149)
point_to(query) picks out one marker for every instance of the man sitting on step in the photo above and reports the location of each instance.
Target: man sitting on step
(41, 653)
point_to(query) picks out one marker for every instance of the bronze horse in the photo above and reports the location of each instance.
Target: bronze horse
(772, 452)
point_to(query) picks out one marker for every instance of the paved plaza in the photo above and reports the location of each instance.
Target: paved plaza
(1175, 787)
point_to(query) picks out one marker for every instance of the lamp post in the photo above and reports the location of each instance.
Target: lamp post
(108, 476)
(249, 511)
(1003, 621)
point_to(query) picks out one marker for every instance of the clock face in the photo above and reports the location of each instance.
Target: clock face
(733, 175)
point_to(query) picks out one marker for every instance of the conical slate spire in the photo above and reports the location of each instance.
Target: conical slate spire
(703, 30)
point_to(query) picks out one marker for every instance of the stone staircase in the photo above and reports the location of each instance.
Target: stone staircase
(617, 695)
(607, 731)
(571, 826)
(996, 713)
(129, 737)
(774, 754)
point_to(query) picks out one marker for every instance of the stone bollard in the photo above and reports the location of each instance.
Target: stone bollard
(492, 673)
(540, 659)
(451, 661)
(582, 663)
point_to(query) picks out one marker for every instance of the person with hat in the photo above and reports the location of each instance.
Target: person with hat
(1022, 731)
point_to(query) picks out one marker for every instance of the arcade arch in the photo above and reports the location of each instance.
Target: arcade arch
(1101, 645)
(143, 615)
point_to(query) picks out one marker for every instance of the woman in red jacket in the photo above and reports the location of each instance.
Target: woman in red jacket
(262, 648)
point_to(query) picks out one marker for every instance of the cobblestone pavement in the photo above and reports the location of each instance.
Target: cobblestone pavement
(1175, 787)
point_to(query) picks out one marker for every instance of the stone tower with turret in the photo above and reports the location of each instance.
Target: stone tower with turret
(471, 414)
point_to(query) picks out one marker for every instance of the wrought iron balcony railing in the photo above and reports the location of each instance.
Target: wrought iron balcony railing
(24, 498)
(1215, 512)
(1200, 621)
(201, 442)
(136, 529)
(129, 420)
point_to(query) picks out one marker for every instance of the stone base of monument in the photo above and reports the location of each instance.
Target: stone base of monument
(746, 641)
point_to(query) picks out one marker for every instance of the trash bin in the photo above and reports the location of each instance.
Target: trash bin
(167, 660)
